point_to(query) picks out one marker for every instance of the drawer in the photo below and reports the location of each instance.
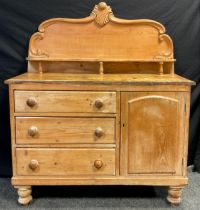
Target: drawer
(65, 161)
(65, 101)
(41, 130)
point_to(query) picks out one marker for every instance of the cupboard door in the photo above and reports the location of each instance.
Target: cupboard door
(152, 132)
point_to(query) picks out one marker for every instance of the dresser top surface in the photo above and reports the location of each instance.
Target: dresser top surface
(149, 79)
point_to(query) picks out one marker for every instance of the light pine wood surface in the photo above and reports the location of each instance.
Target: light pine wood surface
(100, 105)
(77, 162)
(60, 101)
(152, 127)
(45, 130)
(121, 79)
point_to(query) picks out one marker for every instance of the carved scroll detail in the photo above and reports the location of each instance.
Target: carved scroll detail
(165, 54)
(102, 12)
(36, 52)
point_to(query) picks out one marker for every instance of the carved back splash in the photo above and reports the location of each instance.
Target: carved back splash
(100, 42)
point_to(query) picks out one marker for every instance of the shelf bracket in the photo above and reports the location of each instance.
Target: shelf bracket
(161, 67)
(101, 69)
(40, 67)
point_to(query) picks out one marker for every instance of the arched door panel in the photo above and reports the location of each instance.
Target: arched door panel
(151, 132)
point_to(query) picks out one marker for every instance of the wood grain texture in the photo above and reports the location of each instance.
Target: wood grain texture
(64, 130)
(108, 79)
(101, 180)
(86, 67)
(60, 101)
(174, 195)
(99, 105)
(24, 193)
(12, 126)
(77, 162)
(186, 133)
(100, 36)
(33, 86)
(152, 131)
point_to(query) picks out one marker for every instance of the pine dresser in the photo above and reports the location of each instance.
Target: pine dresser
(100, 105)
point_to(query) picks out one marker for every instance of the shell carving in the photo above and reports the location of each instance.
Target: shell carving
(102, 12)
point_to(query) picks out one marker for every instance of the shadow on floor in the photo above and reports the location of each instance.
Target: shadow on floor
(99, 191)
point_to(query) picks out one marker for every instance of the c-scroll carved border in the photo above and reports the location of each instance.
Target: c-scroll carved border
(37, 52)
(164, 55)
(102, 14)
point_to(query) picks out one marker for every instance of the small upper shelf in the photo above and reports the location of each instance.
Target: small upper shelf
(98, 60)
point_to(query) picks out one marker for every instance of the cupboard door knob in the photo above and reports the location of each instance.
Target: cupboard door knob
(33, 165)
(31, 102)
(98, 132)
(98, 103)
(98, 164)
(32, 131)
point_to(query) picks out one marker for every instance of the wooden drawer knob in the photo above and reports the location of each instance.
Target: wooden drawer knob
(99, 132)
(98, 104)
(32, 131)
(98, 164)
(33, 165)
(31, 102)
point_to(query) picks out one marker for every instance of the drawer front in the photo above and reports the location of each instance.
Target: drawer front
(41, 130)
(65, 101)
(65, 161)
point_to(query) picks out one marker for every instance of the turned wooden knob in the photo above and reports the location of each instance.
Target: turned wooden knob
(33, 165)
(98, 164)
(98, 103)
(31, 102)
(98, 132)
(32, 131)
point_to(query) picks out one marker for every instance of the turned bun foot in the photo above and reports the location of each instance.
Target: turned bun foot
(174, 195)
(24, 194)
